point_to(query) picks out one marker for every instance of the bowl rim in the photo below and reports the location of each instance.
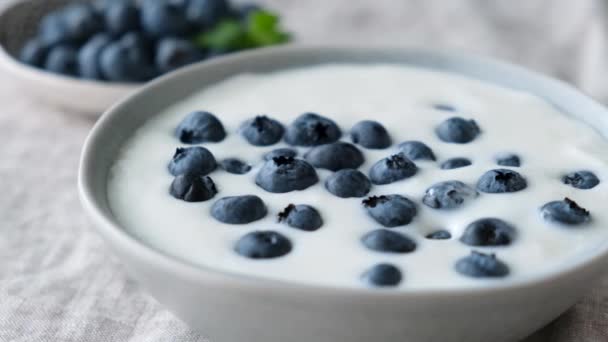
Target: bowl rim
(118, 237)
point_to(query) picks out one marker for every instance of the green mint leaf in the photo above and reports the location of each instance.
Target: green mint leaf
(263, 29)
(260, 29)
(226, 35)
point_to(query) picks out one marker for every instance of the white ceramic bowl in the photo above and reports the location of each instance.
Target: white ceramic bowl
(19, 22)
(233, 308)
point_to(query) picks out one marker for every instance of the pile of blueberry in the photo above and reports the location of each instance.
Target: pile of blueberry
(130, 40)
(283, 171)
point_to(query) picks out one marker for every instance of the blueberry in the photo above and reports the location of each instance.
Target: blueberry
(70, 25)
(121, 17)
(384, 240)
(200, 127)
(416, 150)
(383, 275)
(235, 166)
(162, 18)
(206, 13)
(501, 180)
(34, 53)
(262, 131)
(62, 59)
(444, 107)
(174, 53)
(53, 30)
(581, 179)
(127, 60)
(335, 156)
(390, 210)
(479, 265)
(455, 163)
(81, 21)
(488, 232)
(370, 134)
(285, 174)
(139, 40)
(280, 152)
(311, 130)
(567, 212)
(192, 160)
(439, 235)
(302, 217)
(392, 169)
(457, 130)
(508, 159)
(89, 57)
(263, 245)
(348, 183)
(448, 195)
(193, 188)
(239, 209)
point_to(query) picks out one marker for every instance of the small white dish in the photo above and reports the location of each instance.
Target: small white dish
(228, 307)
(18, 22)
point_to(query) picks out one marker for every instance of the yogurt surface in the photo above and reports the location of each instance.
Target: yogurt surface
(402, 98)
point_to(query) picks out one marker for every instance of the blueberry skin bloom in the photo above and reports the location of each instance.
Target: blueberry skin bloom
(457, 130)
(348, 183)
(448, 195)
(89, 63)
(127, 60)
(263, 245)
(388, 241)
(370, 134)
(455, 163)
(193, 188)
(417, 150)
(81, 21)
(566, 212)
(480, 265)
(262, 131)
(193, 160)
(121, 17)
(34, 53)
(206, 13)
(162, 18)
(174, 53)
(383, 275)
(63, 60)
(235, 166)
(200, 127)
(312, 129)
(281, 175)
(390, 210)
(501, 181)
(303, 217)
(508, 159)
(335, 156)
(488, 232)
(280, 152)
(53, 30)
(581, 180)
(239, 209)
(392, 169)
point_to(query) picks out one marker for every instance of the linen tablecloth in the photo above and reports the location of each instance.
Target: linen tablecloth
(58, 281)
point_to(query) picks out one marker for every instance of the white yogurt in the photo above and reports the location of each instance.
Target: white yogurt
(549, 143)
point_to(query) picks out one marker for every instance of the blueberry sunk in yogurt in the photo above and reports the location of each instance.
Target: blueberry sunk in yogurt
(417, 180)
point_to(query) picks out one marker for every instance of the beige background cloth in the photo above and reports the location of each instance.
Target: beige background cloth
(58, 282)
